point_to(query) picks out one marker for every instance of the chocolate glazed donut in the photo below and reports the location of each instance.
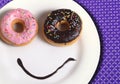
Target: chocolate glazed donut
(62, 26)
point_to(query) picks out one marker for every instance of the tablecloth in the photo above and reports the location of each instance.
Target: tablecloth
(106, 15)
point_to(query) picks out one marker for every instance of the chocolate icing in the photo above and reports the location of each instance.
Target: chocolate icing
(42, 77)
(68, 35)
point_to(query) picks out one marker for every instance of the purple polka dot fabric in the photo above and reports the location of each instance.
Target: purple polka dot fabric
(106, 15)
(3, 2)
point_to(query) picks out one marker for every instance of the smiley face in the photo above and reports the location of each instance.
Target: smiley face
(19, 27)
(11, 35)
(30, 59)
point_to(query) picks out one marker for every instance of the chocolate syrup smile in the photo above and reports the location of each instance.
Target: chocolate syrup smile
(42, 77)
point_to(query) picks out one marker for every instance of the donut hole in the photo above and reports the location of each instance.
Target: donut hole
(62, 26)
(18, 26)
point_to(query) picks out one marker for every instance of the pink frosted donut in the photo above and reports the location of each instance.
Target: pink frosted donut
(18, 27)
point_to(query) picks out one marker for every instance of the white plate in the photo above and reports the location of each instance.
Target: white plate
(40, 58)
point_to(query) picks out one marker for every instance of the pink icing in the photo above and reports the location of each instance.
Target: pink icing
(28, 32)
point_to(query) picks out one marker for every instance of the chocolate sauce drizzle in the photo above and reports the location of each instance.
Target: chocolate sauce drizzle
(42, 77)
